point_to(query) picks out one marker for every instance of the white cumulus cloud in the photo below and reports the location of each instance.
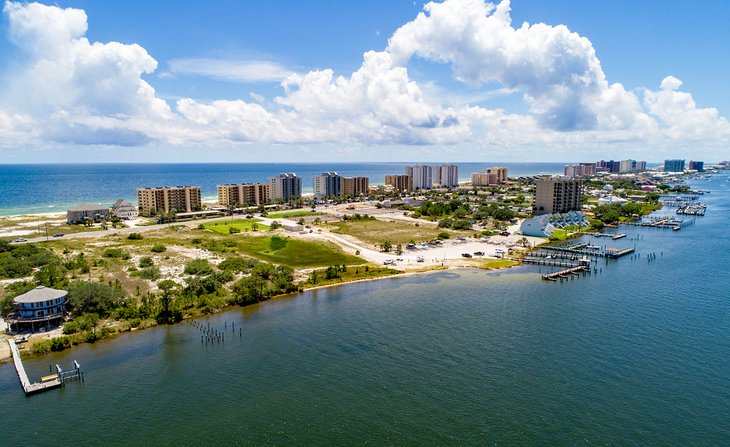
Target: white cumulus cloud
(67, 89)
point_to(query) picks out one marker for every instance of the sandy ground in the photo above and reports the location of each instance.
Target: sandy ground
(448, 254)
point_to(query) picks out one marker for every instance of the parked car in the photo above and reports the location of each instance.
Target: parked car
(388, 262)
(478, 253)
(466, 255)
(20, 239)
(58, 235)
(504, 233)
(419, 259)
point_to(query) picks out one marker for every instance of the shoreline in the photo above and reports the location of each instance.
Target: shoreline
(5, 355)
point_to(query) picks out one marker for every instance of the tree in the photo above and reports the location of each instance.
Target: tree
(274, 225)
(387, 246)
(168, 289)
(51, 275)
(98, 298)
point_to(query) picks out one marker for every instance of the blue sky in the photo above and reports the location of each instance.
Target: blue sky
(258, 81)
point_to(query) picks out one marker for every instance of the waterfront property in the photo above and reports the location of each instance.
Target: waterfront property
(674, 165)
(446, 176)
(546, 224)
(37, 309)
(495, 175)
(557, 195)
(285, 187)
(168, 198)
(84, 213)
(328, 184)
(422, 176)
(124, 210)
(400, 182)
(354, 186)
(244, 194)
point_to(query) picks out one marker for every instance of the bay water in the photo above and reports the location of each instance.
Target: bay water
(637, 353)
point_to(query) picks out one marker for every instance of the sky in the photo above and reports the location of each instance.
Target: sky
(292, 81)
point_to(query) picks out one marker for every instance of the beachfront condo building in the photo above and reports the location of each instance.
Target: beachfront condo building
(557, 195)
(675, 165)
(285, 187)
(491, 176)
(446, 176)
(400, 182)
(422, 176)
(501, 172)
(168, 198)
(483, 179)
(84, 213)
(354, 186)
(328, 184)
(244, 194)
(581, 170)
(698, 166)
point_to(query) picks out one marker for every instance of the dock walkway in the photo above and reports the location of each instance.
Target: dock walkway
(28, 387)
(566, 272)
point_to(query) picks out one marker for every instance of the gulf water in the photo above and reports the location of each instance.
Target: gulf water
(637, 353)
(39, 188)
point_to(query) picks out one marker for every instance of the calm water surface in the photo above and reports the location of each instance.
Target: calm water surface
(636, 355)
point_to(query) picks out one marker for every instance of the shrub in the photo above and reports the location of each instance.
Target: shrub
(145, 262)
(158, 248)
(233, 230)
(60, 343)
(443, 236)
(151, 273)
(115, 253)
(135, 237)
(200, 267)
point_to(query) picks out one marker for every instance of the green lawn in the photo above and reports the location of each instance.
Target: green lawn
(489, 264)
(294, 252)
(291, 214)
(240, 224)
(351, 274)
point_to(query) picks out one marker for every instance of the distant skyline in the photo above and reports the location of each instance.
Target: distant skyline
(367, 81)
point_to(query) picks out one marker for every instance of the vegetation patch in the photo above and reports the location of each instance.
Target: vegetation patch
(490, 264)
(290, 214)
(339, 274)
(295, 253)
(376, 232)
(238, 224)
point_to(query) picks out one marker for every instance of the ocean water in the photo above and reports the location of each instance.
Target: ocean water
(636, 354)
(38, 188)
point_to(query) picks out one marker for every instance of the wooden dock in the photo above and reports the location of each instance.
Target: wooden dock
(47, 382)
(28, 387)
(563, 273)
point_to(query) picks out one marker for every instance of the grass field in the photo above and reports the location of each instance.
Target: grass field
(295, 253)
(489, 264)
(240, 224)
(291, 214)
(377, 231)
(352, 274)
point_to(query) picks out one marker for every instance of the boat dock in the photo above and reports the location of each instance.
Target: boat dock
(563, 273)
(47, 382)
(663, 222)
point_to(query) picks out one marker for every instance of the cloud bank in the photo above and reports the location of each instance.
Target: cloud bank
(67, 89)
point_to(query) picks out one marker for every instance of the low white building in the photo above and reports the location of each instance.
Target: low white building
(608, 200)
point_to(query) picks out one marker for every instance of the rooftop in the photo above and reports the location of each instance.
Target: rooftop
(40, 293)
(88, 208)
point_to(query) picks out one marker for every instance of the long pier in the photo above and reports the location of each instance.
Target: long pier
(566, 272)
(47, 382)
